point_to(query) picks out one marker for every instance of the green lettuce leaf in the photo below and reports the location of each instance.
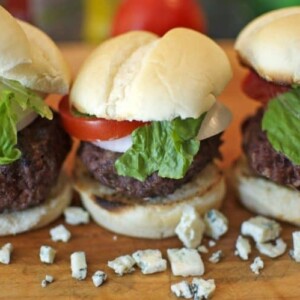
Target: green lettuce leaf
(27, 99)
(8, 130)
(165, 147)
(14, 101)
(281, 122)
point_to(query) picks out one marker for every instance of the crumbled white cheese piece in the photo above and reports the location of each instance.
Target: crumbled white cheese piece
(271, 250)
(190, 229)
(216, 224)
(76, 215)
(47, 254)
(5, 253)
(203, 289)
(261, 229)
(257, 265)
(78, 265)
(182, 289)
(243, 248)
(60, 233)
(216, 257)
(99, 278)
(211, 243)
(150, 261)
(115, 238)
(202, 249)
(122, 264)
(185, 262)
(44, 283)
(295, 252)
(48, 279)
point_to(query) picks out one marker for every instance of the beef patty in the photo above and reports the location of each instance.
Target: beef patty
(27, 182)
(100, 164)
(263, 159)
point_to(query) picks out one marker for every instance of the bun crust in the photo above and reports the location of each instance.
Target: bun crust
(156, 219)
(265, 197)
(270, 45)
(30, 57)
(139, 76)
(37, 217)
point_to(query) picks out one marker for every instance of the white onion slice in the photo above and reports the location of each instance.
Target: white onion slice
(118, 145)
(216, 120)
(26, 120)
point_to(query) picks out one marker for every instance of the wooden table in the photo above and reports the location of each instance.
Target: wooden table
(21, 279)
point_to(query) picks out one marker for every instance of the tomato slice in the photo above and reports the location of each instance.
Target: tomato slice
(158, 16)
(259, 89)
(92, 128)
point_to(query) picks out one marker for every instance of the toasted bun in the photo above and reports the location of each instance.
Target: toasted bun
(270, 45)
(265, 197)
(39, 216)
(139, 76)
(29, 56)
(144, 219)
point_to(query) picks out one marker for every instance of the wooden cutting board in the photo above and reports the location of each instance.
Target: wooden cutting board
(21, 279)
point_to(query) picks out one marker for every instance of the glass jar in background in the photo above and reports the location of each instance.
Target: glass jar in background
(227, 17)
(61, 19)
(97, 19)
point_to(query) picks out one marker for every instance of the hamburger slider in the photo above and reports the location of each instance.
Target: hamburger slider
(146, 112)
(268, 175)
(33, 145)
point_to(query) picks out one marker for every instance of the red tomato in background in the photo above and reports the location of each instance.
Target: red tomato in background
(158, 16)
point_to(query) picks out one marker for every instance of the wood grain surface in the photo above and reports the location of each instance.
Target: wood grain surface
(21, 279)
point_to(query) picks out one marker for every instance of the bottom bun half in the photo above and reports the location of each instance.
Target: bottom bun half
(265, 197)
(144, 218)
(12, 223)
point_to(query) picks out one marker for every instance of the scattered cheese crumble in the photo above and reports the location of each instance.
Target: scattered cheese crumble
(190, 229)
(76, 215)
(185, 262)
(243, 248)
(5, 253)
(150, 261)
(122, 264)
(99, 278)
(60, 233)
(216, 224)
(257, 265)
(78, 265)
(216, 257)
(261, 229)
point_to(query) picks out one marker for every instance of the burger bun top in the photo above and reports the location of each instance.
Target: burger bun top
(30, 57)
(271, 45)
(139, 76)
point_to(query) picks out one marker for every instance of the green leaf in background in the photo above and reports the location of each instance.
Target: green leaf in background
(8, 130)
(165, 147)
(14, 101)
(281, 121)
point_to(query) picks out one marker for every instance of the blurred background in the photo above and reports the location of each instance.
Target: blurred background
(95, 20)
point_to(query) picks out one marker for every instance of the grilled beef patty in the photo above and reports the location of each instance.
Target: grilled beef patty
(263, 159)
(100, 164)
(27, 182)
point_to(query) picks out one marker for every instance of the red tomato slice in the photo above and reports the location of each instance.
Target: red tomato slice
(91, 129)
(158, 16)
(259, 89)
